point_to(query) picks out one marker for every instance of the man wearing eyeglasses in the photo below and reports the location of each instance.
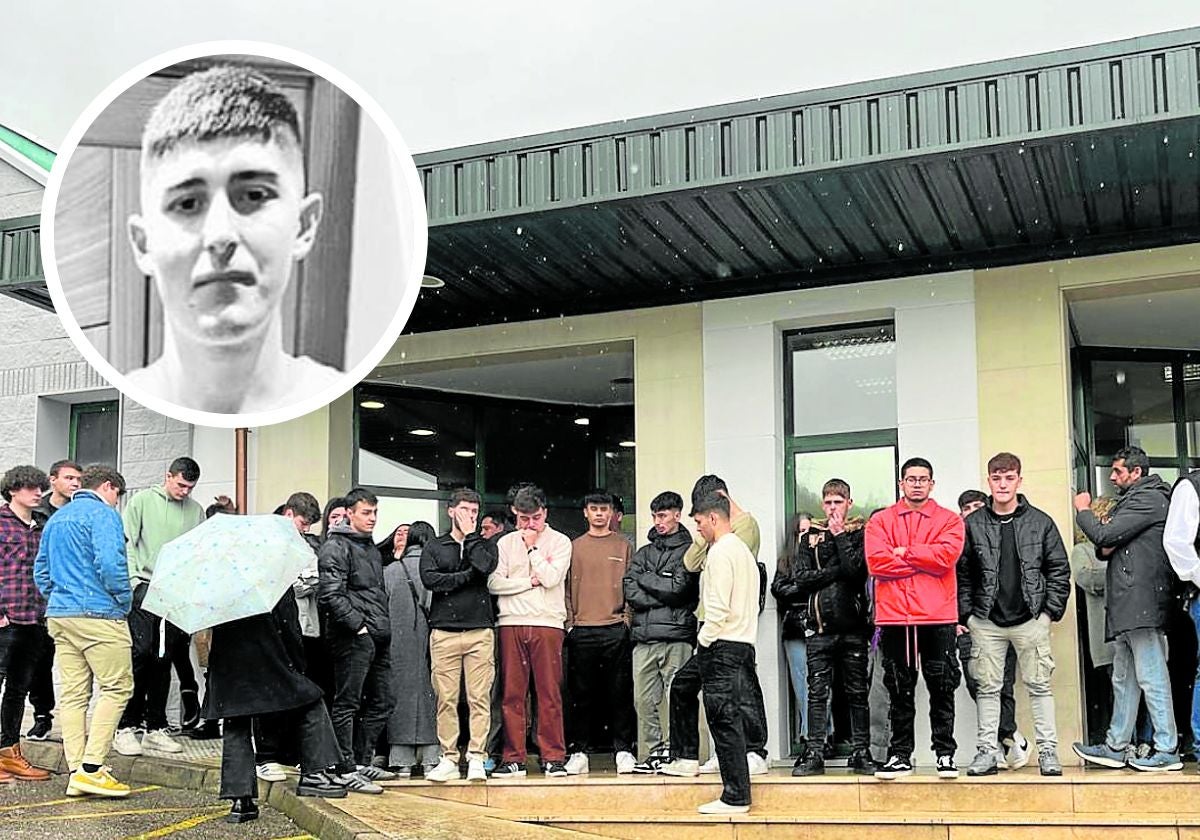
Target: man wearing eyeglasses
(912, 548)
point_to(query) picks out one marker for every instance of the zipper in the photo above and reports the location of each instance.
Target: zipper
(816, 595)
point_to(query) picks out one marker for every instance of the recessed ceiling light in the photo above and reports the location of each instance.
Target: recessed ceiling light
(628, 444)
(423, 432)
(372, 404)
(582, 421)
(465, 453)
(428, 281)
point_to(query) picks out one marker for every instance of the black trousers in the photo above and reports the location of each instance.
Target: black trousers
(934, 647)
(20, 653)
(840, 658)
(685, 742)
(600, 714)
(318, 666)
(273, 742)
(725, 670)
(362, 676)
(307, 726)
(151, 673)
(1008, 703)
(41, 690)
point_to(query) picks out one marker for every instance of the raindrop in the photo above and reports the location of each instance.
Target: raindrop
(519, 231)
(900, 246)
(723, 270)
(633, 168)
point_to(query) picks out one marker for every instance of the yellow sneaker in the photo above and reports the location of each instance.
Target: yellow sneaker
(100, 783)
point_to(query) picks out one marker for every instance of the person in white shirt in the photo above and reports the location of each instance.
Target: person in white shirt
(1181, 540)
(729, 595)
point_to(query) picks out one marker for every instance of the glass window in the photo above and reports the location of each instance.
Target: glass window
(1132, 405)
(871, 474)
(95, 432)
(1191, 398)
(843, 380)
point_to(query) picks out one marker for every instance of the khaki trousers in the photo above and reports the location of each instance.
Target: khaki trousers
(87, 648)
(456, 654)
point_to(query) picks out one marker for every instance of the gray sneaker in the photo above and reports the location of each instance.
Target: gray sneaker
(357, 783)
(1157, 762)
(1048, 763)
(985, 763)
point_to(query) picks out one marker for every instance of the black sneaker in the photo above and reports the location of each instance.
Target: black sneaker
(895, 767)
(189, 714)
(324, 785)
(40, 730)
(556, 769)
(650, 766)
(946, 768)
(811, 763)
(512, 770)
(862, 763)
(207, 731)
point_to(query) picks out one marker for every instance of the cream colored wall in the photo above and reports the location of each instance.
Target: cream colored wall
(668, 378)
(311, 453)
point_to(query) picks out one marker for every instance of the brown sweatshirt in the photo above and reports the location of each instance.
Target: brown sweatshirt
(596, 596)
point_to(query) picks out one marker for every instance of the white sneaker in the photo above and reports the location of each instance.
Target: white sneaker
(711, 766)
(757, 764)
(160, 741)
(625, 762)
(577, 764)
(475, 771)
(1017, 754)
(270, 772)
(683, 767)
(719, 807)
(447, 770)
(126, 742)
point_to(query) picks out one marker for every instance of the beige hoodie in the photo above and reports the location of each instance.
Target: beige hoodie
(521, 603)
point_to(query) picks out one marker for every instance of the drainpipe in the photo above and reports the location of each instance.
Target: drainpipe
(239, 469)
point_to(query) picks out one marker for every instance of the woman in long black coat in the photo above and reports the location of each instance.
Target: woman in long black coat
(256, 668)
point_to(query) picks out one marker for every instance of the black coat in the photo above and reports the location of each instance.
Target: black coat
(1139, 582)
(824, 586)
(457, 577)
(1045, 569)
(661, 592)
(351, 590)
(256, 665)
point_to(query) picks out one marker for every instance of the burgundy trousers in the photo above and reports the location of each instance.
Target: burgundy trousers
(537, 651)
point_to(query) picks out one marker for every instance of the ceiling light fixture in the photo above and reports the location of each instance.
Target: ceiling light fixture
(582, 421)
(465, 453)
(423, 432)
(428, 281)
(371, 404)
(628, 444)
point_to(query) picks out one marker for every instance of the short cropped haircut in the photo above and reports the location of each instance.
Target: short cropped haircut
(64, 464)
(967, 497)
(836, 487)
(305, 506)
(217, 103)
(360, 494)
(96, 474)
(529, 499)
(463, 494)
(420, 534)
(19, 478)
(707, 484)
(220, 507)
(667, 500)
(185, 467)
(1004, 462)
(711, 503)
(916, 462)
(1133, 456)
(597, 497)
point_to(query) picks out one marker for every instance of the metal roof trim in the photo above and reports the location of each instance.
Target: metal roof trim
(25, 154)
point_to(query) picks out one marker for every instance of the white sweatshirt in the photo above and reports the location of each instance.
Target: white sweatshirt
(729, 593)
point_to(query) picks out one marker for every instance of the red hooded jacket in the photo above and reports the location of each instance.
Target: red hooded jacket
(920, 587)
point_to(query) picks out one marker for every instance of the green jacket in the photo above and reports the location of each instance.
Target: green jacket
(153, 519)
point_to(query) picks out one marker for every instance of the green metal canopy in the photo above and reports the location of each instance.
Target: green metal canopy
(25, 164)
(1071, 153)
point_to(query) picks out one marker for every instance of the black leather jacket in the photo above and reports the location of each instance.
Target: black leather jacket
(824, 586)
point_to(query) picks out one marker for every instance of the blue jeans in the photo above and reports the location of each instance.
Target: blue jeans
(1194, 612)
(796, 651)
(1140, 669)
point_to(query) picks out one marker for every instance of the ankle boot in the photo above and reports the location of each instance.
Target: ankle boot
(242, 810)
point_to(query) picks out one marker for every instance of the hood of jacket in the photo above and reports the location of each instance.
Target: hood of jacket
(1152, 483)
(681, 537)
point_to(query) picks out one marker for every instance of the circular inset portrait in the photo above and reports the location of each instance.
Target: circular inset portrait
(234, 234)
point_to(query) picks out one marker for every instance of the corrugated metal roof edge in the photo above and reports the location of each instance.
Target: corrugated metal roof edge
(27, 155)
(1142, 43)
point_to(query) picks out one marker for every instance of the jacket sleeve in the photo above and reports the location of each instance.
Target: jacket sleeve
(41, 570)
(108, 549)
(681, 589)
(333, 565)
(481, 554)
(881, 562)
(806, 577)
(1089, 572)
(962, 574)
(1179, 535)
(435, 579)
(941, 554)
(1134, 515)
(852, 559)
(132, 520)
(552, 564)
(693, 559)
(1056, 568)
(635, 595)
(499, 581)
(745, 528)
(783, 588)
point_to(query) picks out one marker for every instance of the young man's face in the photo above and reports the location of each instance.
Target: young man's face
(66, 482)
(666, 522)
(535, 521)
(969, 508)
(1122, 476)
(362, 517)
(1004, 485)
(222, 222)
(490, 527)
(464, 515)
(110, 493)
(916, 485)
(299, 521)
(26, 497)
(706, 525)
(178, 487)
(835, 504)
(598, 516)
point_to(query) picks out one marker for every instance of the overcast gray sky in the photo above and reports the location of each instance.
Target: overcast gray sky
(456, 72)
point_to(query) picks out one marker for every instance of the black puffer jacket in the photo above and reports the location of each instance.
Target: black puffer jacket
(824, 587)
(1139, 583)
(456, 575)
(1045, 569)
(351, 590)
(661, 592)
